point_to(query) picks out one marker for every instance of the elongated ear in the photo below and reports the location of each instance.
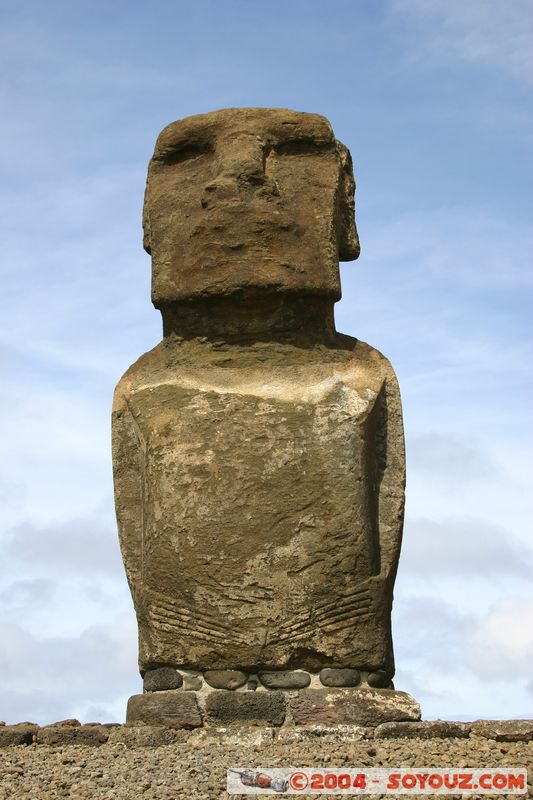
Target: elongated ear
(147, 237)
(347, 232)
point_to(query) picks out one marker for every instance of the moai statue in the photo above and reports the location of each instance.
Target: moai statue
(258, 454)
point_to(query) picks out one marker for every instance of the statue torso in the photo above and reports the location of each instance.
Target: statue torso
(259, 479)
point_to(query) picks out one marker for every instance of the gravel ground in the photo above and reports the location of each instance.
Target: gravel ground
(195, 765)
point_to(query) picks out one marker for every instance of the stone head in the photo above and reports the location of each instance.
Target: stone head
(248, 198)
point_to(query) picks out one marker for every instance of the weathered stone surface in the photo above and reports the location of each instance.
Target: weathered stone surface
(142, 735)
(258, 454)
(277, 605)
(432, 729)
(312, 733)
(70, 734)
(243, 736)
(257, 193)
(191, 682)
(65, 723)
(161, 679)
(511, 730)
(378, 679)
(22, 733)
(175, 709)
(194, 768)
(225, 678)
(351, 707)
(243, 708)
(285, 679)
(340, 677)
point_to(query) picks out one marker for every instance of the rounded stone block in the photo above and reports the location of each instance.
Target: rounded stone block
(246, 708)
(225, 678)
(285, 679)
(340, 677)
(316, 735)
(162, 679)
(351, 707)
(192, 682)
(93, 735)
(65, 723)
(505, 730)
(174, 709)
(378, 679)
(147, 736)
(22, 733)
(432, 729)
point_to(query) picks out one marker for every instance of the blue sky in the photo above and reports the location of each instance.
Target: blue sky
(433, 98)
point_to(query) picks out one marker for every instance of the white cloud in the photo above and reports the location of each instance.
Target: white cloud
(440, 288)
(493, 33)
(463, 665)
(464, 547)
(21, 594)
(45, 679)
(502, 644)
(82, 545)
(453, 318)
(461, 246)
(432, 627)
(450, 460)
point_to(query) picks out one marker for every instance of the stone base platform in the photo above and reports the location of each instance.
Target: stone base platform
(135, 734)
(126, 762)
(272, 708)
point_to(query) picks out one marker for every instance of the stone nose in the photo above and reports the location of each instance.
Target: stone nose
(240, 163)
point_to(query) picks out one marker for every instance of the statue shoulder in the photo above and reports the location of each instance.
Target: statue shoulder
(141, 372)
(364, 355)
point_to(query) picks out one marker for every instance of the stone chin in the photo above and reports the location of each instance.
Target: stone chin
(221, 272)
